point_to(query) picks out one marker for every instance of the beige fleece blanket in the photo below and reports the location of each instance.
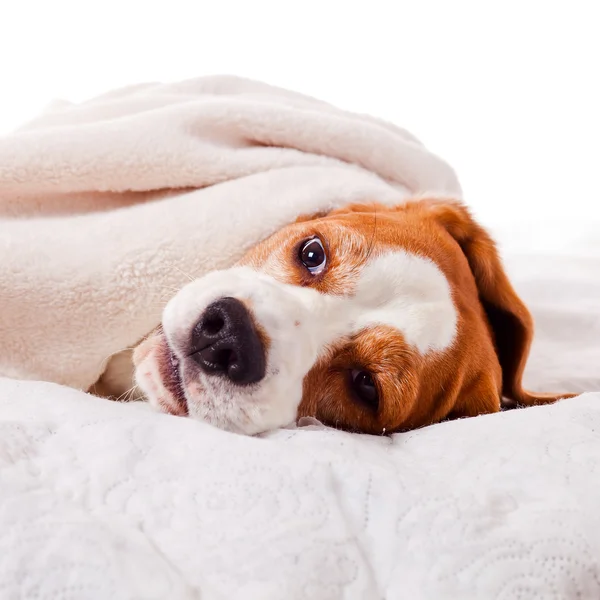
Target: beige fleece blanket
(109, 206)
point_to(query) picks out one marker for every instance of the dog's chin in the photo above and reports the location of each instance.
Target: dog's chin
(158, 374)
(167, 386)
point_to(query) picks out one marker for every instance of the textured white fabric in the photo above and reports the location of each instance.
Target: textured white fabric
(563, 293)
(100, 500)
(106, 207)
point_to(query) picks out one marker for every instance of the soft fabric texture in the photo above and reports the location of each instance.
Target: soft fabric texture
(100, 500)
(107, 500)
(107, 207)
(563, 293)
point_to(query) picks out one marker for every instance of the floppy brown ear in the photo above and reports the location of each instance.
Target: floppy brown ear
(510, 320)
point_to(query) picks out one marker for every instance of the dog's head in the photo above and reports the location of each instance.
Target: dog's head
(368, 318)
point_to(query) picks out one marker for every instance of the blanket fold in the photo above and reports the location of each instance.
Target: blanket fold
(108, 206)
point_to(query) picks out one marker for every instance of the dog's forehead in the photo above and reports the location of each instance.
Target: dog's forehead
(352, 236)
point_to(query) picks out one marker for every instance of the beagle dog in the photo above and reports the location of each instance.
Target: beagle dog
(369, 318)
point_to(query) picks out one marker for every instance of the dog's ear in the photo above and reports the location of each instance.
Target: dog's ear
(509, 318)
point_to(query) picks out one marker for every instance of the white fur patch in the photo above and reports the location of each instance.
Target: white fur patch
(409, 293)
(397, 289)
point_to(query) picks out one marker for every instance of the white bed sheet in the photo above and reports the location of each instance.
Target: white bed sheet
(105, 501)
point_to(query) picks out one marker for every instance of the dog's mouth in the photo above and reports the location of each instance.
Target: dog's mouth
(170, 372)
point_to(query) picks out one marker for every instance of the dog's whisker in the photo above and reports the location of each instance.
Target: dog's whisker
(372, 241)
(133, 391)
(126, 396)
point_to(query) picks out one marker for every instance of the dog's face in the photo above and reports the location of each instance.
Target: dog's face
(369, 318)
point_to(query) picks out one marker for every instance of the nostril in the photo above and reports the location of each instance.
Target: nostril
(225, 358)
(219, 359)
(212, 324)
(225, 342)
(231, 357)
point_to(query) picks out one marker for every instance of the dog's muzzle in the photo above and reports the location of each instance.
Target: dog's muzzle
(242, 343)
(225, 342)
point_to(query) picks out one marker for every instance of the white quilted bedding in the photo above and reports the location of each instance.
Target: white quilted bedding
(107, 501)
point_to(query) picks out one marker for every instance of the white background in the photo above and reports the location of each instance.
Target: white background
(507, 92)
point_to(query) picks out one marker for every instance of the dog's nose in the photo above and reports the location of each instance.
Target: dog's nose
(225, 342)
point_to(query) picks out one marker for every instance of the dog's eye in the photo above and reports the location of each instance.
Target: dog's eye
(312, 255)
(364, 387)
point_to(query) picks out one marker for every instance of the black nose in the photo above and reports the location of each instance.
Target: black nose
(225, 342)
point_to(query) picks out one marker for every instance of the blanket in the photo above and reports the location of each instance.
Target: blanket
(108, 207)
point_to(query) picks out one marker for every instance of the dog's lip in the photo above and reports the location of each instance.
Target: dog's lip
(173, 382)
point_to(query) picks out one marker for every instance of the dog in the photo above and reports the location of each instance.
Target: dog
(370, 318)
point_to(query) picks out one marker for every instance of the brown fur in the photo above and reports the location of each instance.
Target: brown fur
(486, 360)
